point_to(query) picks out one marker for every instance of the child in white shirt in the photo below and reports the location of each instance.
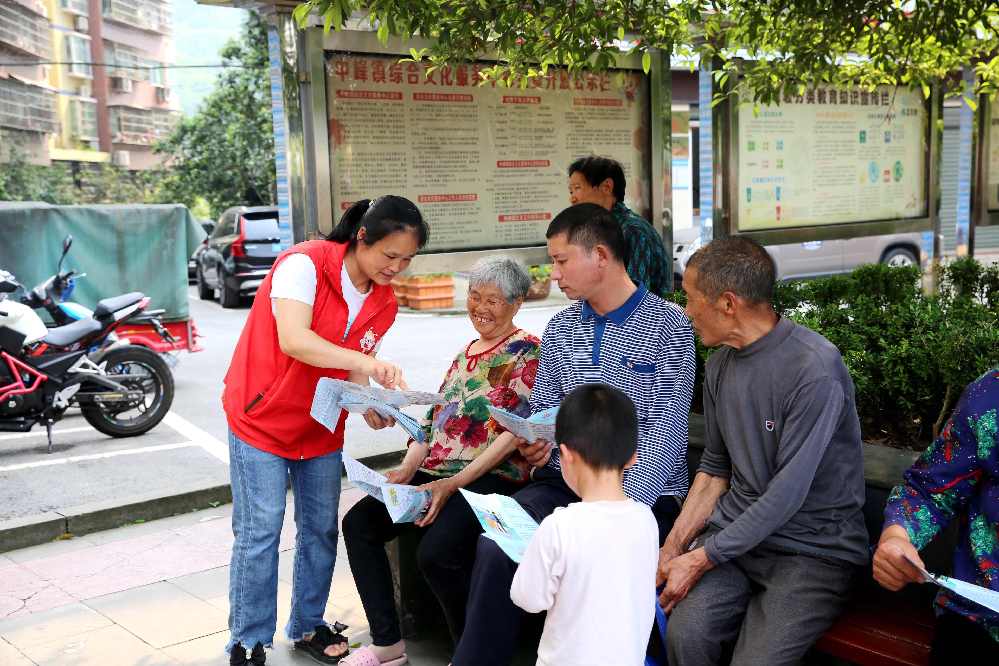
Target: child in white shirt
(592, 564)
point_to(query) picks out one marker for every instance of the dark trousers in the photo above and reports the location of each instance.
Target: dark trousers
(765, 608)
(445, 556)
(492, 621)
(958, 640)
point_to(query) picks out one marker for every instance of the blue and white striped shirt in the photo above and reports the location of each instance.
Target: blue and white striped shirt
(644, 348)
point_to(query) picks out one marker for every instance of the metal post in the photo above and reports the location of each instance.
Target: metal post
(964, 225)
(980, 189)
(933, 194)
(661, 154)
(705, 173)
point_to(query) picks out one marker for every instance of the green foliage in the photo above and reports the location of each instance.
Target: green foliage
(86, 184)
(791, 43)
(540, 272)
(224, 154)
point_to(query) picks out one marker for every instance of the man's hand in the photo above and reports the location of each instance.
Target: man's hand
(892, 568)
(376, 421)
(666, 555)
(537, 453)
(682, 573)
(440, 492)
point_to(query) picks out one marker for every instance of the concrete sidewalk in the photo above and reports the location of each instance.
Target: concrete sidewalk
(151, 594)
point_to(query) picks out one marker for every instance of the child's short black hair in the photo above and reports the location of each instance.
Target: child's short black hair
(599, 423)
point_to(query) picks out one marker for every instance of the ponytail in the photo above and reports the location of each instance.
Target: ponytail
(345, 230)
(385, 215)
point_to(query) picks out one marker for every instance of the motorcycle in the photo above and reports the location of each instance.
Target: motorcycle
(53, 295)
(122, 390)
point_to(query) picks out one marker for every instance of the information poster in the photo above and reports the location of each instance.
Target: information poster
(832, 156)
(993, 156)
(485, 164)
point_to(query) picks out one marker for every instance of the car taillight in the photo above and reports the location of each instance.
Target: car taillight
(237, 249)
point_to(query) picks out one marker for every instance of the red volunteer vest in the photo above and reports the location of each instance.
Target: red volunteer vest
(268, 394)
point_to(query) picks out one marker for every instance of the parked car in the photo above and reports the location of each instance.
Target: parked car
(192, 263)
(815, 258)
(238, 254)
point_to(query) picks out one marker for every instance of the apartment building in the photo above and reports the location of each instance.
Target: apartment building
(108, 101)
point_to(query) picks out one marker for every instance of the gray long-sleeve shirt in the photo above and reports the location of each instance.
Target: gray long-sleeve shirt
(782, 426)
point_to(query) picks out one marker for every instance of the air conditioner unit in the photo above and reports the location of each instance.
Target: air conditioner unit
(121, 158)
(82, 24)
(162, 94)
(121, 84)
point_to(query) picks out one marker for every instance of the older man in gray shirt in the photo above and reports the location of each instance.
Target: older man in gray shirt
(762, 557)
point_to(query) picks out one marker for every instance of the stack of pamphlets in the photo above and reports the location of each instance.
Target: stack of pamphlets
(534, 427)
(404, 503)
(332, 395)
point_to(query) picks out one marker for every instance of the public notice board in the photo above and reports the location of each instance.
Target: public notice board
(832, 156)
(486, 164)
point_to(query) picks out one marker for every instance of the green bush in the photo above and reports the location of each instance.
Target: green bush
(910, 355)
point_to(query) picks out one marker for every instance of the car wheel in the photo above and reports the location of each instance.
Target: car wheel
(229, 297)
(205, 292)
(900, 256)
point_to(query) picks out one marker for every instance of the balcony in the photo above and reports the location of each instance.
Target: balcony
(79, 7)
(145, 14)
(25, 31)
(141, 127)
(123, 61)
(26, 107)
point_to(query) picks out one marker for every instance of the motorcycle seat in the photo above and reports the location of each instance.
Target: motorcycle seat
(109, 306)
(64, 336)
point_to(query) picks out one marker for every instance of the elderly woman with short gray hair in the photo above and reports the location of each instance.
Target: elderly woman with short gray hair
(464, 448)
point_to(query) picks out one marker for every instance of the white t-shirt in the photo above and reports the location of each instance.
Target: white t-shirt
(295, 278)
(592, 566)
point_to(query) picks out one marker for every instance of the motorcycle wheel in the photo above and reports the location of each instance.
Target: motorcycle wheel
(145, 371)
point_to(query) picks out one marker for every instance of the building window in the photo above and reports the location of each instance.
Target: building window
(156, 73)
(75, 7)
(83, 119)
(78, 55)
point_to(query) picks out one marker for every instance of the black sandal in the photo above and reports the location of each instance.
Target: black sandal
(322, 639)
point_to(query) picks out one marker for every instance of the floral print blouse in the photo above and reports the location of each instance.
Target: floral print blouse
(957, 478)
(458, 431)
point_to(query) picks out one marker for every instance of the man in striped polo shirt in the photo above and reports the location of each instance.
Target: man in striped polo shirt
(617, 333)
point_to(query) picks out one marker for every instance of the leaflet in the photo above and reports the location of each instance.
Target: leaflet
(504, 521)
(537, 426)
(332, 395)
(404, 503)
(976, 593)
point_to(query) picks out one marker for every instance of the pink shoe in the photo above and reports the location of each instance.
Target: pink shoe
(365, 657)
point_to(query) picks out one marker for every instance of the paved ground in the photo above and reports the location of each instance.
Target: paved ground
(151, 595)
(84, 482)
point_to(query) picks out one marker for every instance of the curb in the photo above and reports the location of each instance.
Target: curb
(38, 529)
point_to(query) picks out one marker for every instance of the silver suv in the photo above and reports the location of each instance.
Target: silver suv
(816, 258)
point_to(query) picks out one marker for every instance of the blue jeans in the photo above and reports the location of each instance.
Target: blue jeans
(259, 488)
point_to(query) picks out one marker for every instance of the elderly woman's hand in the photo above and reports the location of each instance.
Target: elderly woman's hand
(537, 453)
(440, 492)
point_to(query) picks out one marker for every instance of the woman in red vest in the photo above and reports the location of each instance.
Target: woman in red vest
(320, 312)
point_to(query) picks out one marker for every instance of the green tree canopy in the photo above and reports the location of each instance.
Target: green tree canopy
(776, 43)
(224, 154)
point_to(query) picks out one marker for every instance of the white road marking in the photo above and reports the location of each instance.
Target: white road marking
(97, 456)
(39, 431)
(210, 444)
